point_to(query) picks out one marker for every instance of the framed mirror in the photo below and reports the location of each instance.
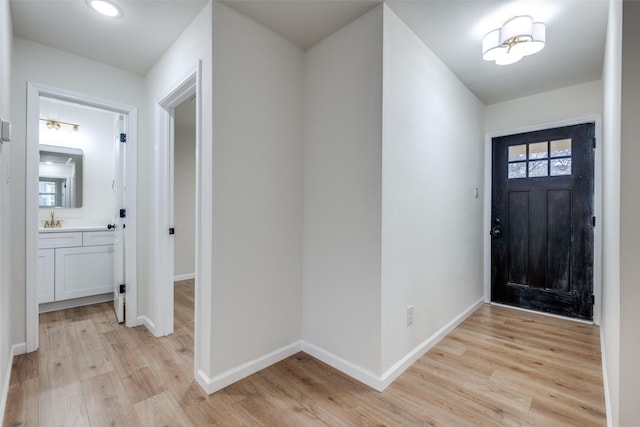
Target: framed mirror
(60, 177)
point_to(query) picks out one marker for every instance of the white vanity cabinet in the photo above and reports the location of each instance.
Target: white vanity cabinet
(74, 265)
(46, 275)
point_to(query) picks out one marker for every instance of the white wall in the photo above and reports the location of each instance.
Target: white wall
(432, 231)
(548, 107)
(610, 323)
(185, 200)
(96, 138)
(629, 216)
(44, 65)
(6, 320)
(342, 199)
(257, 191)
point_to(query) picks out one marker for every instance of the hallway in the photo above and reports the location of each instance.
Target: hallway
(500, 367)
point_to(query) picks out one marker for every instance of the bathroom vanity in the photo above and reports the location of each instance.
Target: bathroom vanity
(75, 267)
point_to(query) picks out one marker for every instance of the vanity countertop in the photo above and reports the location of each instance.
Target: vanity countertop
(73, 228)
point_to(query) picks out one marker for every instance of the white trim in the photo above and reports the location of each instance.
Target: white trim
(211, 385)
(19, 349)
(401, 365)
(188, 85)
(187, 276)
(379, 383)
(5, 387)
(76, 302)
(354, 371)
(15, 350)
(148, 323)
(543, 313)
(185, 87)
(597, 198)
(34, 91)
(605, 381)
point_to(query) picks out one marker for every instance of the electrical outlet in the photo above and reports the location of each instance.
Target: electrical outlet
(409, 315)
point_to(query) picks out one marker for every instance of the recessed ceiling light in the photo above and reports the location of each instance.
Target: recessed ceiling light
(105, 7)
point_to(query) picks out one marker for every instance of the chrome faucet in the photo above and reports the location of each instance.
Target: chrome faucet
(53, 223)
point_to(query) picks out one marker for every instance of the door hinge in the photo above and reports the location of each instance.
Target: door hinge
(593, 220)
(172, 230)
(593, 299)
(123, 213)
(123, 137)
(594, 142)
(123, 289)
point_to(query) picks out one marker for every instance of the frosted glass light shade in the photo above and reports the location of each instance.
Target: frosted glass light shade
(491, 45)
(509, 57)
(520, 27)
(518, 37)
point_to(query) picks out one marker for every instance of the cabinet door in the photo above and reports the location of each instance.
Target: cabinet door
(83, 271)
(46, 277)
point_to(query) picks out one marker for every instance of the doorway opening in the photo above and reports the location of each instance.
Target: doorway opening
(543, 219)
(177, 228)
(184, 207)
(80, 191)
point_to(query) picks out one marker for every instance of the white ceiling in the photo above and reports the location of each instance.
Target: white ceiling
(453, 29)
(133, 42)
(304, 22)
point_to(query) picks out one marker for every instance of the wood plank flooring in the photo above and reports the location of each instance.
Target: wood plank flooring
(501, 367)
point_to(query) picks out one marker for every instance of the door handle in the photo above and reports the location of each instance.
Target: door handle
(111, 226)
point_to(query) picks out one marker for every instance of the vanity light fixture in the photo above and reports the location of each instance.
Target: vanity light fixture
(56, 124)
(517, 38)
(105, 7)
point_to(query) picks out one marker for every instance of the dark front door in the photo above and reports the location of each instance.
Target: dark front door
(542, 220)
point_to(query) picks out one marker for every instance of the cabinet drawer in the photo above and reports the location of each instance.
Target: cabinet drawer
(97, 238)
(59, 240)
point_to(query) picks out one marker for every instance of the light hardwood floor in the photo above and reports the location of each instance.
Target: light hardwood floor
(501, 367)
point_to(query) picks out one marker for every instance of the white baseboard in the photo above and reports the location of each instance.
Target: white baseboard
(19, 349)
(76, 302)
(379, 383)
(5, 387)
(605, 381)
(144, 320)
(180, 277)
(211, 385)
(363, 375)
(401, 365)
(15, 350)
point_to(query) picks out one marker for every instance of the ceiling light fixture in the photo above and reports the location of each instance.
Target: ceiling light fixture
(517, 38)
(105, 7)
(56, 124)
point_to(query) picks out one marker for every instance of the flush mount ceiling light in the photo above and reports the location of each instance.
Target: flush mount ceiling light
(105, 7)
(517, 38)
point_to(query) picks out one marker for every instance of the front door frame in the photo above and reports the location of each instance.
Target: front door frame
(597, 197)
(34, 92)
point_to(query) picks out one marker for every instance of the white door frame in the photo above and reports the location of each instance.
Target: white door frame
(163, 243)
(597, 200)
(34, 92)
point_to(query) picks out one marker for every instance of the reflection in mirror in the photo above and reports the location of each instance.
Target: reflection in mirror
(60, 183)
